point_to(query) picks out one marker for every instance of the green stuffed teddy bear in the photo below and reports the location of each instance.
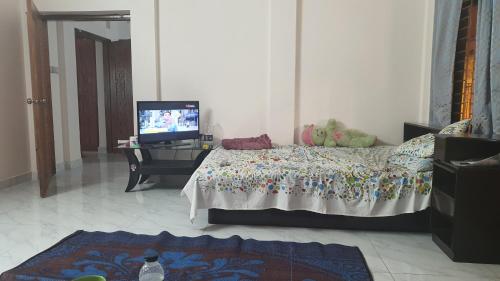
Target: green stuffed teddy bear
(313, 135)
(352, 138)
(318, 135)
(332, 135)
(329, 130)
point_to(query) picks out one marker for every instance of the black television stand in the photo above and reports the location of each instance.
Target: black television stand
(140, 171)
(173, 144)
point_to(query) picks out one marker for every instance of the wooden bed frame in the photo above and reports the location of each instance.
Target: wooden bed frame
(413, 222)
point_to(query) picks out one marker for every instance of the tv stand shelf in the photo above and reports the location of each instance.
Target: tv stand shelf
(140, 171)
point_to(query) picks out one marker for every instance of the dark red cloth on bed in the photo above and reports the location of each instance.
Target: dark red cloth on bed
(261, 142)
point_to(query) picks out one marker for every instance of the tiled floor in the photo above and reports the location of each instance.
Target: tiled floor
(92, 198)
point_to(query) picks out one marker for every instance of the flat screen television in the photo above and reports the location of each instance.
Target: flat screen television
(163, 121)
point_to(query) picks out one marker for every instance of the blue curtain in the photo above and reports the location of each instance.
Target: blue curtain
(486, 106)
(446, 20)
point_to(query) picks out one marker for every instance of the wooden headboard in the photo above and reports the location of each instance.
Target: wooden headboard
(413, 130)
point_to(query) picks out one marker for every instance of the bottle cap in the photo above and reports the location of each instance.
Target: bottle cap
(151, 258)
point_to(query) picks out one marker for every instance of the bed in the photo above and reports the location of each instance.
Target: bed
(366, 188)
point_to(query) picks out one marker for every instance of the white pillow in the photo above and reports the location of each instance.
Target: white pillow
(422, 146)
(456, 128)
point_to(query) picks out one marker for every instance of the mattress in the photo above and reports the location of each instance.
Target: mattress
(364, 182)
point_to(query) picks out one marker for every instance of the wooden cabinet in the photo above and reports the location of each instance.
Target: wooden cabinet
(465, 213)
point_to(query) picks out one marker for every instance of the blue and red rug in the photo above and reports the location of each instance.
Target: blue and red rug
(120, 255)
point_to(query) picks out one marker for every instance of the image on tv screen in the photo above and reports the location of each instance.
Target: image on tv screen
(168, 121)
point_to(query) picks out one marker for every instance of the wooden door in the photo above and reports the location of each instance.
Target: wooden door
(87, 92)
(41, 96)
(119, 104)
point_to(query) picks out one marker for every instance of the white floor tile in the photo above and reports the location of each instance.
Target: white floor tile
(382, 277)
(417, 254)
(424, 277)
(8, 262)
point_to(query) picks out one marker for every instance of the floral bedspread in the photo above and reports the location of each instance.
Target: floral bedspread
(343, 181)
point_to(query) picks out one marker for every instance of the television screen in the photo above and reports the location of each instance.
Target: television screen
(167, 120)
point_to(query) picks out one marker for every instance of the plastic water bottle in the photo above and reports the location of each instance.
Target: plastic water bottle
(151, 270)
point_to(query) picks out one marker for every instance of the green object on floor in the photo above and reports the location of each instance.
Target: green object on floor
(90, 278)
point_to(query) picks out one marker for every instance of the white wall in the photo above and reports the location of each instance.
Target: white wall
(237, 58)
(217, 52)
(14, 151)
(425, 91)
(56, 96)
(101, 108)
(282, 70)
(273, 66)
(361, 63)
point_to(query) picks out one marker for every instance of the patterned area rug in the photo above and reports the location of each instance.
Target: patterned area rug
(120, 255)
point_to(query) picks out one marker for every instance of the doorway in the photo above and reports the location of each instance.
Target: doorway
(94, 101)
(53, 99)
(105, 102)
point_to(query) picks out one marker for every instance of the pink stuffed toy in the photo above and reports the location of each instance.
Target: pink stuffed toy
(307, 135)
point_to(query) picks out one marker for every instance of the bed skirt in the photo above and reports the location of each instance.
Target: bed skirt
(410, 222)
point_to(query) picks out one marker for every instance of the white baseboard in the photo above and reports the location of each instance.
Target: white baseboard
(26, 177)
(60, 167)
(68, 165)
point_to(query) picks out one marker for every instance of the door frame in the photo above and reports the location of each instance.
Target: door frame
(120, 15)
(106, 71)
(37, 77)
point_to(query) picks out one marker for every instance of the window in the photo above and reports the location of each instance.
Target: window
(463, 73)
